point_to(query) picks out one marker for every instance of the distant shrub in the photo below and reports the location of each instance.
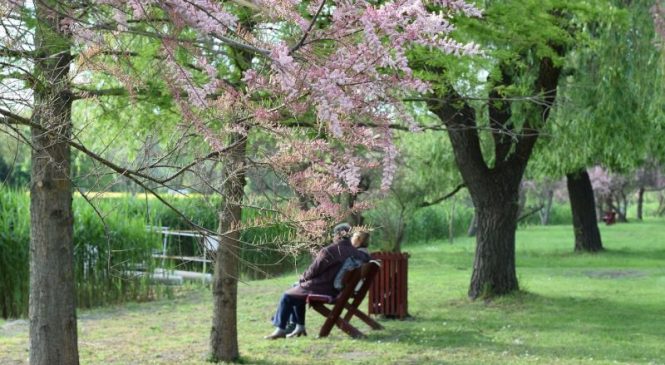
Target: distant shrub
(101, 256)
(106, 248)
(14, 253)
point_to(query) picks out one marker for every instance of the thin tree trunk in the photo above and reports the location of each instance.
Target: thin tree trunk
(622, 202)
(547, 209)
(451, 223)
(585, 222)
(356, 218)
(473, 225)
(224, 332)
(640, 202)
(52, 308)
(401, 230)
(600, 208)
(521, 202)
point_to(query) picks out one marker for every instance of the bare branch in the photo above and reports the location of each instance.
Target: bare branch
(439, 200)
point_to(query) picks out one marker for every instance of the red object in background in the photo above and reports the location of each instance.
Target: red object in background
(388, 294)
(610, 218)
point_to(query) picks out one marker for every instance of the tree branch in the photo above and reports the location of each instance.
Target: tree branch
(439, 200)
(309, 29)
(529, 213)
(11, 118)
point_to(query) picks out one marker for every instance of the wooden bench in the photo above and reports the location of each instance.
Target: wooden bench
(356, 284)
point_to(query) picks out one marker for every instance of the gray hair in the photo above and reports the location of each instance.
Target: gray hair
(342, 230)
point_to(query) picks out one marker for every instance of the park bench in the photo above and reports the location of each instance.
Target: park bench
(356, 284)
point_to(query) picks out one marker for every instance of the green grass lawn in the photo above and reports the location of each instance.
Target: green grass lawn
(607, 308)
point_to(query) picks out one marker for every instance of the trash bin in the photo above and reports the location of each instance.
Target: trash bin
(388, 293)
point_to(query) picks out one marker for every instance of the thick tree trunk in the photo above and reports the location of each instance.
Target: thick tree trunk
(640, 202)
(495, 189)
(582, 203)
(52, 308)
(494, 262)
(224, 332)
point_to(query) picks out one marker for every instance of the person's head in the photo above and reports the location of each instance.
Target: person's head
(360, 239)
(342, 230)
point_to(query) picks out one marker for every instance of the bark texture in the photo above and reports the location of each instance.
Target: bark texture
(582, 204)
(52, 308)
(494, 263)
(224, 332)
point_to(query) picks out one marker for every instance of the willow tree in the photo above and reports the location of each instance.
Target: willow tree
(609, 107)
(495, 116)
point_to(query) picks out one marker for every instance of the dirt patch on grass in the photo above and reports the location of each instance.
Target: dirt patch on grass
(614, 274)
(13, 328)
(357, 355)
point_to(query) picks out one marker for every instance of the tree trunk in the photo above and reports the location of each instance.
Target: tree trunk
(52, 308)
(356, 217)
(399, 234)
(585, 223)
(600, 208)
(224, 333)
(494, 262)
(547, 208)
(640, 202)
(451, 223)
(622, 202)
(495, 189)
(521, 204)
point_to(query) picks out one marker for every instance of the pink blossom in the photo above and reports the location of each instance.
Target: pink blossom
(350, 71)
(14, 5)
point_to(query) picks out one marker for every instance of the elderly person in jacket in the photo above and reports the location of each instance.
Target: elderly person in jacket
(318, 279)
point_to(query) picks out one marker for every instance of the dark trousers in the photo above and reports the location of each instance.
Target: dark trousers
(290, 308)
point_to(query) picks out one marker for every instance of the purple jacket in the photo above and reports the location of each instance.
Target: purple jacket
(321, 273)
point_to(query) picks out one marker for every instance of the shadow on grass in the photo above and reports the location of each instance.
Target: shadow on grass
(548, 327)
(635, 254)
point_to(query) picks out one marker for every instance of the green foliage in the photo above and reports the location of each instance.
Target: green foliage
(426, 173)
(14, 161)
(609, 109)
(105, 251)
(14, 254)
(113, 240)
(439, 222)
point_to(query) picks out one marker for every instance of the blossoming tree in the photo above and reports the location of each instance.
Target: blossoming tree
(325, 80)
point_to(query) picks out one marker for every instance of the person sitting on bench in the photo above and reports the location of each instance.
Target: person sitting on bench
(317, 279)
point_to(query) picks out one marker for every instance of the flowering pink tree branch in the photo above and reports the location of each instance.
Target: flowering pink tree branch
(343, 63)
